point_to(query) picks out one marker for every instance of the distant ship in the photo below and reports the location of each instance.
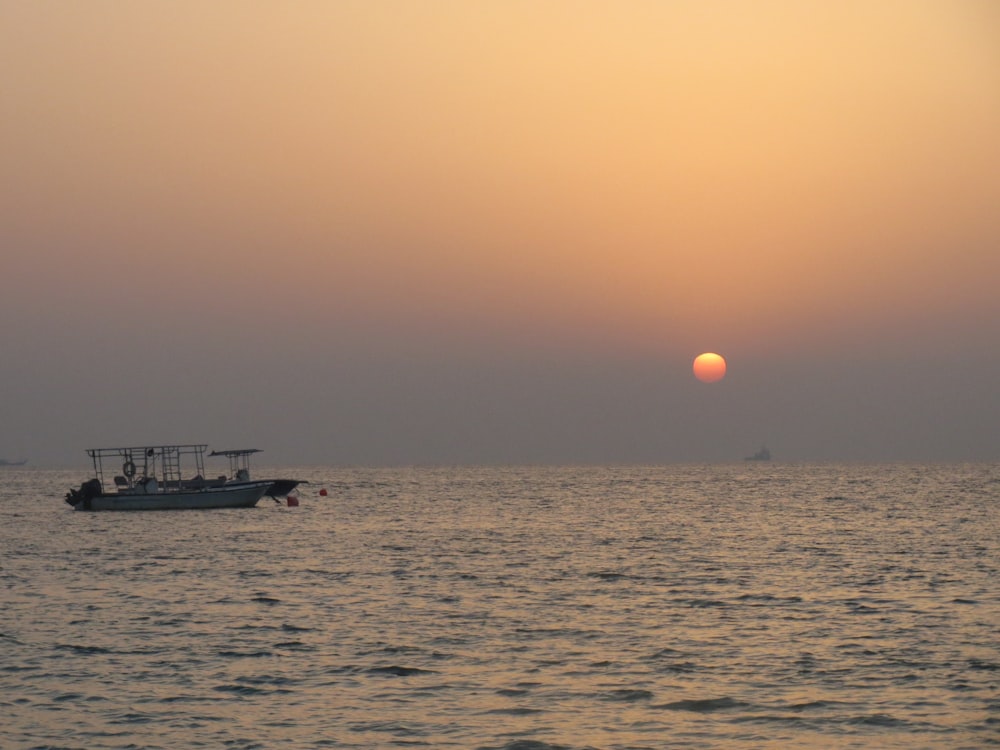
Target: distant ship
(762, 455)
(5, 462)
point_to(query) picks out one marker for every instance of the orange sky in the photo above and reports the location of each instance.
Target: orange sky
(640, 178)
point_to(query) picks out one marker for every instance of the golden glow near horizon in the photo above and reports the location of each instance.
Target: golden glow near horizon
(749, 172)
(709, 367)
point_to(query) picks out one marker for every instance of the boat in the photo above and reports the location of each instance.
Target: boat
(160, 477)
(239, 472)
(5, 462)
(762, 455)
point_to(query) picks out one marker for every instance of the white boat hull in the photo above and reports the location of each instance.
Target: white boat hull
(241, 496)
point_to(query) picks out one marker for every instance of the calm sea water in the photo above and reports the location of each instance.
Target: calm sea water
(733, 606)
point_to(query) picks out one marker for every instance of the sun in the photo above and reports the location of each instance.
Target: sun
(709, 367)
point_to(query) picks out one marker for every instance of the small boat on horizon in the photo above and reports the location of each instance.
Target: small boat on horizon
(161, 477)
(5, 462)
(762, 455)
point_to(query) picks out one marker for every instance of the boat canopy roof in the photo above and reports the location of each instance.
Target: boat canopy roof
(139, 451)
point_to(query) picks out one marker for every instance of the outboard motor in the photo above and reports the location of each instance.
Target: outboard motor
(88, 490)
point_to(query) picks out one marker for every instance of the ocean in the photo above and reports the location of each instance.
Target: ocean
(751, 605)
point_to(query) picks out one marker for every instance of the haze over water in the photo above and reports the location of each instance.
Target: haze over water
(405, 232)
(728, 606)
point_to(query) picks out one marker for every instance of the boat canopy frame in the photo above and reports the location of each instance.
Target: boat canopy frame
(165, 463)
(239, 461)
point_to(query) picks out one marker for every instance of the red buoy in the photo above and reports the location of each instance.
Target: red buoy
(293, 502)
(323, 492)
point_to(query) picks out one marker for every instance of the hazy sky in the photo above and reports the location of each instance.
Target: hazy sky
(499, 232)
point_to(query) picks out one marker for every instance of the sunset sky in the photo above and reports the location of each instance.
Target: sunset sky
(499, 232)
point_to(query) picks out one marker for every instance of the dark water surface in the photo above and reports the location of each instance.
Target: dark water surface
(730, 606)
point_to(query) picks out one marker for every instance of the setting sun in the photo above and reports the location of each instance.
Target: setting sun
(709, 367)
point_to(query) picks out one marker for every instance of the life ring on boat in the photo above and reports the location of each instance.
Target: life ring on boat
(128, 469)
